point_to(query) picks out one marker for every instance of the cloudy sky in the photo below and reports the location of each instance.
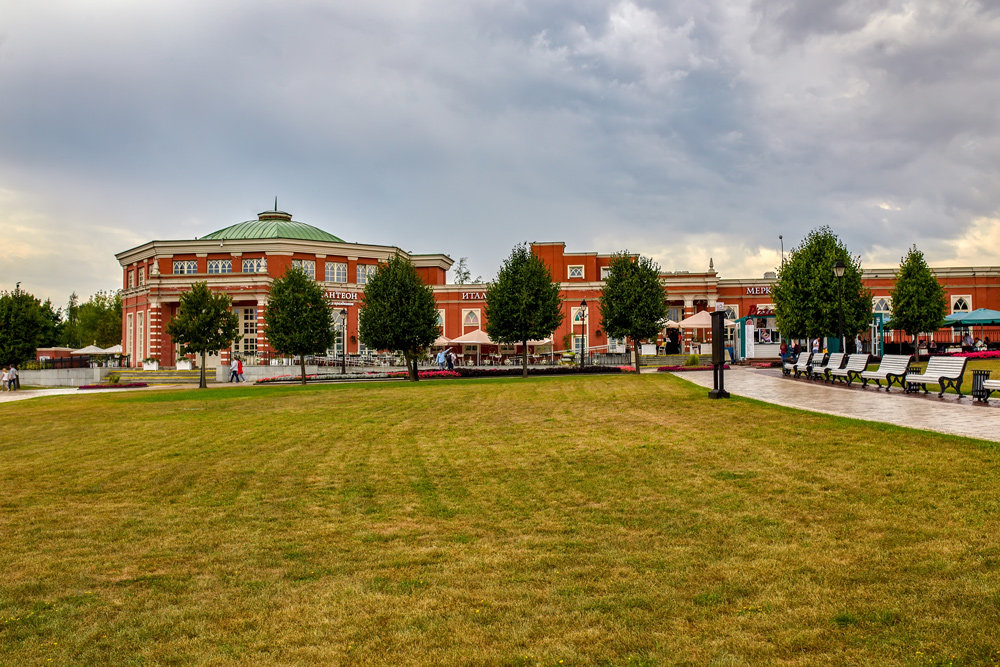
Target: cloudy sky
(682, 130)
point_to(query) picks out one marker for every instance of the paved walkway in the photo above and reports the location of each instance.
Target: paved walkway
(945, 415)
(24, 394)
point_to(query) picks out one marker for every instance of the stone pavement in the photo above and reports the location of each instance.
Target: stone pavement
(944, 415)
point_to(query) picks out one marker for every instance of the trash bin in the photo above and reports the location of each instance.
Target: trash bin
(978, 391)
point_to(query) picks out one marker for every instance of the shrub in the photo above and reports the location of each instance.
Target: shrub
(113, 378)
(692, 360)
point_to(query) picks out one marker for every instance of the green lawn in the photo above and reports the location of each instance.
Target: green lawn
(607, 519)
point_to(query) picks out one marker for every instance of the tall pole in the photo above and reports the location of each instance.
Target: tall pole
(343, 342)
(583, 333)
(838, 271)
(782, 241)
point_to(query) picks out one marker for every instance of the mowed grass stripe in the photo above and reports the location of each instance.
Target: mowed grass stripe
(582, 519)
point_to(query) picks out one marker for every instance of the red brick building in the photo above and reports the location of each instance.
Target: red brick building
(243, 259)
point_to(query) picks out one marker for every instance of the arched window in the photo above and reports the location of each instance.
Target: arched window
(960, 304)
(881, 304)
(471, 318)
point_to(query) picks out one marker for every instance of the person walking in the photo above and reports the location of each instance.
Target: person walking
(5, 379)
(14, 379)
(239, 370)
(234, 371)
(440, 360)
(451, 360)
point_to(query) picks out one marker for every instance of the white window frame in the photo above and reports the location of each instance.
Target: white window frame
(364, 272)
(571, 267)
(254, 265)
(472, 311)
(616, 345)
(131, 278)
(183, 267)
(362, 349)
(220, 266)
(574, 315)
(336, 272)
(441, 314)
(129, 345)
(307, 265)
(142, 276)
(888, 304)
(955, 298)
(605, 272)
(247, 322)
(140, 334)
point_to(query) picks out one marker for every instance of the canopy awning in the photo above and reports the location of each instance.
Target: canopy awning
(978, 317)
(475, 337)
(544, 341)
(114, 349)
(90, 349)
(702, 320)
(440, 341)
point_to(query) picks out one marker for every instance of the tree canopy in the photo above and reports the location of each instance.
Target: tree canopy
(298, 318)
(398, 312)
(24, 325)
(97, 322)
(919, 302)
(807, 296)
(204, 323)
(632, 301)
(523, 303)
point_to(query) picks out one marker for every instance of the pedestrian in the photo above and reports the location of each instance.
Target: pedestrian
(783, 351)
(857, 343)
(234, 371)
(5, 379)
(15, 378)
(239, 370)
(451, 360)
(440, 360)
(815, 346)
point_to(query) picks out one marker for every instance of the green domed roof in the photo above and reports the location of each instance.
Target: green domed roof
(273, 225)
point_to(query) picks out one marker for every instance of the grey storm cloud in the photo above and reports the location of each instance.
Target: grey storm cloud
(684, 130)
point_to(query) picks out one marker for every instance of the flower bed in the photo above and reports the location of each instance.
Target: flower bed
(426, 374)
(120, 385)
(674, 369)
(508, 371)
(984, 354)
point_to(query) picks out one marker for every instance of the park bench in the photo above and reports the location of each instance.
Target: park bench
(856, 364)
(802, 365)
(833, 361)
(944, 371)
(989, 386)
(892, 369)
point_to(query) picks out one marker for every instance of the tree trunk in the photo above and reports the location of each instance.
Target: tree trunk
(635, 346)
(411, 366)
(524, 359)
(201, 381)
(916, 347)
(302, 365)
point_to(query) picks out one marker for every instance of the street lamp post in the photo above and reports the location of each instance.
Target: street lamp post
(838, 270)
(343, 341)
(781, 240)
(583, 333)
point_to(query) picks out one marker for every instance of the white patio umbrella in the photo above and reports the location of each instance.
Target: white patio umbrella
(114, 349)
(476, 337)
(702, 320)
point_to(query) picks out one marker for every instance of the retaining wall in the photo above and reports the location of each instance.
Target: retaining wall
(65, 377)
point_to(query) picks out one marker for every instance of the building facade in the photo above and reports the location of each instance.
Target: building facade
(243, 259)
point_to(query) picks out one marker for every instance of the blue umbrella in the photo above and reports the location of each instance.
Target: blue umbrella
(980, 316)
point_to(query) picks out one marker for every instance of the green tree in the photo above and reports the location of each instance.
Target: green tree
(522, 304)
(398, 312)
(808, 296)
(919, 302)
(204, 323)
(99, 320)
(632, 302)
(23, 326)
(298, 317)
(71, 326)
